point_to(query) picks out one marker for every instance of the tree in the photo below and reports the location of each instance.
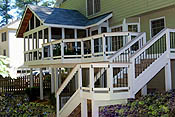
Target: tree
(5, 7)
(4, 70)
(21, 4)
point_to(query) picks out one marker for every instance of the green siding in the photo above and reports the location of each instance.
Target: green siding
(79, 5)
(120, 8)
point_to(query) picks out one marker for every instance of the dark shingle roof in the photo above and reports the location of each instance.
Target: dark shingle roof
(61, 16)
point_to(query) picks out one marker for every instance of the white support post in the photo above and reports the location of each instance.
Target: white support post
(28, 43)
(52, 80)
(62, 44)
(168, 40)
(43, 36)
(59, 79)
(84, 108)
(87, 34)
(144, 90)
(82, 49)
(144, 39)
(57, 105)
(41, 85)
(92, 47)
(110, 78)
(56, 79)
(131, 78)
(50, 40)
(31, 77)
(95, 109)
(125, 25)
(104, 46)
(37, 45)
(91, 76)
(75, 36)
(33, 46)
(24, 44)
(168, 80)
(80, 77)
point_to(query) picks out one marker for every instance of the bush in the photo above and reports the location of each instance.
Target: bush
(33, 93)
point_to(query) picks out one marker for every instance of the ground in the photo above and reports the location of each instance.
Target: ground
(19, 105)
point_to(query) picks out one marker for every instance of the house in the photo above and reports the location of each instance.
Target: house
(113, 50)
(12, 47)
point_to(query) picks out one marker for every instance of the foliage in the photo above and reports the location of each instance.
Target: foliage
(32, 93)
(154, 104)
(5, 7)
(4, 70)
(21, 4)
(18, 105)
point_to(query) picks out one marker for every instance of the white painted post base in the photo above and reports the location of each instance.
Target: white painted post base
(84, 111)
(41, 85)
(168, 80)
(144, 90)
(95, 109)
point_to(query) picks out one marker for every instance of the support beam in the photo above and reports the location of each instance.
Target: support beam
(168, 80)
(95, 109)
(144, 90)
(110, 79)
(31, 78)
(84, 109)
(52, 80)
(41, 85)
(57, 105)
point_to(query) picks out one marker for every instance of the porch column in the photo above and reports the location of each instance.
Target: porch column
(57, 105)
(75, 36)
(125, 25)
(41, 84)
(95, 109)
(62, 44)
(168, 80)
(59, 79)
(50, 40)
(52, 81)
(144, 90)
(84, 108)
(56, 80)
(31, 78)
(91, 79)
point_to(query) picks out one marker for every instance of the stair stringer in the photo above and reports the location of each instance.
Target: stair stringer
(149, 73)
(73, 102)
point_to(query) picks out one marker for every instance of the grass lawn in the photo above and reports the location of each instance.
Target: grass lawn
(19, 106)
(153, 104)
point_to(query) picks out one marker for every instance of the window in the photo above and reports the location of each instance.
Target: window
(157, 25)
(133, 28)
(118, 29)
(4, 53)
(93, 6)
(4, 36)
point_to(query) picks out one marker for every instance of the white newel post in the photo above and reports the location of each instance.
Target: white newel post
(131, 79)
(31, 77)
(110, 78)
(168, 80)
(52, 80)
(41, 84)
(84, 112)
(168, 40)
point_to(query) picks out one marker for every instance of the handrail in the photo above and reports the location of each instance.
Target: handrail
(149, 43)
(128, 45)
(67, 80)
(92, 37)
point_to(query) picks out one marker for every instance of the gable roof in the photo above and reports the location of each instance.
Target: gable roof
(59, 17)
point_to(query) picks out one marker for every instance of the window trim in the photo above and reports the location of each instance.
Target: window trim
(154, 19)
(93, 9)
(121, 25)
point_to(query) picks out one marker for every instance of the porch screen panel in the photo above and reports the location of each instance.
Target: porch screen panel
(90, 7)
(97, 6)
